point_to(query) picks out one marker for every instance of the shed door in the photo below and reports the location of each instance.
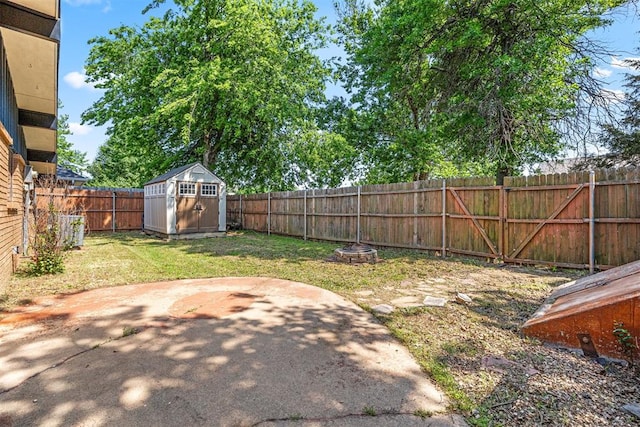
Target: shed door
(196, 207)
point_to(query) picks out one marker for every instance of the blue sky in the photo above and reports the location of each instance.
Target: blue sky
(84, 19)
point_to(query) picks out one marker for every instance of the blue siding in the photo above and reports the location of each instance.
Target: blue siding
(9, 106)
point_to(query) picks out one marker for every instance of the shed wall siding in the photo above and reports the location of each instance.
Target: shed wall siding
(155, 217)
(11, 207)
(222, 209)
(197, 174)
(160, 213)
(171, 206)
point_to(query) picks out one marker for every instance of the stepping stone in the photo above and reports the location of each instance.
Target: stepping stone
(407, 302)
(430, 301)
(463, 299)
(382, 309)
(364, 293)
(633, 409)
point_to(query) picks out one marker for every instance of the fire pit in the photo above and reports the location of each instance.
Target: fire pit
(356, 253)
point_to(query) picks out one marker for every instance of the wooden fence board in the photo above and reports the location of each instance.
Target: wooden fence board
(98, 208)
(536, 219)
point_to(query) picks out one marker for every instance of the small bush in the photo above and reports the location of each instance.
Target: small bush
(48, 244)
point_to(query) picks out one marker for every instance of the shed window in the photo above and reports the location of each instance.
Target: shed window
(210, 190)
(162, 189)
(187, 189)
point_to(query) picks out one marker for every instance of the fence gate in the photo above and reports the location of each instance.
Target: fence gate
(539, 215)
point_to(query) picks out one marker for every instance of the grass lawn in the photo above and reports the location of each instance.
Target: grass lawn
(449, 342)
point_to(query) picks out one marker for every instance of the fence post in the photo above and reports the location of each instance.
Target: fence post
(113, 211)
(358, 219)
(592, 223)
(269, 213)
(502, 221)
(415, 213)
(241, 224)
(305, 215)
(444, 218)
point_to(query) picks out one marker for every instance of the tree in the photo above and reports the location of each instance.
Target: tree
(120, 165)
(68, 157)
(623, 139)
(232, 83)
(497, 83)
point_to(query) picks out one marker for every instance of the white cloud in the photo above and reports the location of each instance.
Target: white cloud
(602, 72)
(613, 96)
(623, 63)
(80, 129)
(77, 80)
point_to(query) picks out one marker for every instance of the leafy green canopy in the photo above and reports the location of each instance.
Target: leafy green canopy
(623, 139)
(69, 157)
(235, 84)
(488, 85)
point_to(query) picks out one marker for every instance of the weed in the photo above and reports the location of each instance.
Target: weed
(128, 330)
(295, 417)
(412, 311)
(454, 348)
(625, 339)
(480, 421)
(370, 411)
(422, 413)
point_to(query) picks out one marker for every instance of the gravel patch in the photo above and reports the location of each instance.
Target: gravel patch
(508, 379)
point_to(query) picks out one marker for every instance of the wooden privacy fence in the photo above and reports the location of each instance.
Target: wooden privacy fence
(104, 210)
(575, 220)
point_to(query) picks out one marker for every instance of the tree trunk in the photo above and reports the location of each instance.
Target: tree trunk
(503, 171)
(211, 151)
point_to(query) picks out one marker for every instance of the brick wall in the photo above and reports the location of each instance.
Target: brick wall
(11, 205)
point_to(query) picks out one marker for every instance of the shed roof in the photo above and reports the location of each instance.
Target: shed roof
(173, 172)
(165, 176)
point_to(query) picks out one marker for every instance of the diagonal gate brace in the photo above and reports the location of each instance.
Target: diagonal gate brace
(553, 216)
(474, 220)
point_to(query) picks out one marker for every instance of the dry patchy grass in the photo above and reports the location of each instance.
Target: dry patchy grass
(543, 386)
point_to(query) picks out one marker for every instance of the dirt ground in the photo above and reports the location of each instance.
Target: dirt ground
(476, 352)
(509, 379)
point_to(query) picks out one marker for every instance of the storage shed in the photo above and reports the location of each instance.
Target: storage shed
(186, 202)
(593, 313)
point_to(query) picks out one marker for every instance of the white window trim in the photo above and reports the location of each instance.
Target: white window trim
(211, 186)
(190, 185)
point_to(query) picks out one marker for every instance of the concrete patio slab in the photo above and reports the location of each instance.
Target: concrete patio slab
(214, 352)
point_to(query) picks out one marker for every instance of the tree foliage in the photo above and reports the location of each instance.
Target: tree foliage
(487, 85)
(623, 139)
(233, 83)
(69, 157)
